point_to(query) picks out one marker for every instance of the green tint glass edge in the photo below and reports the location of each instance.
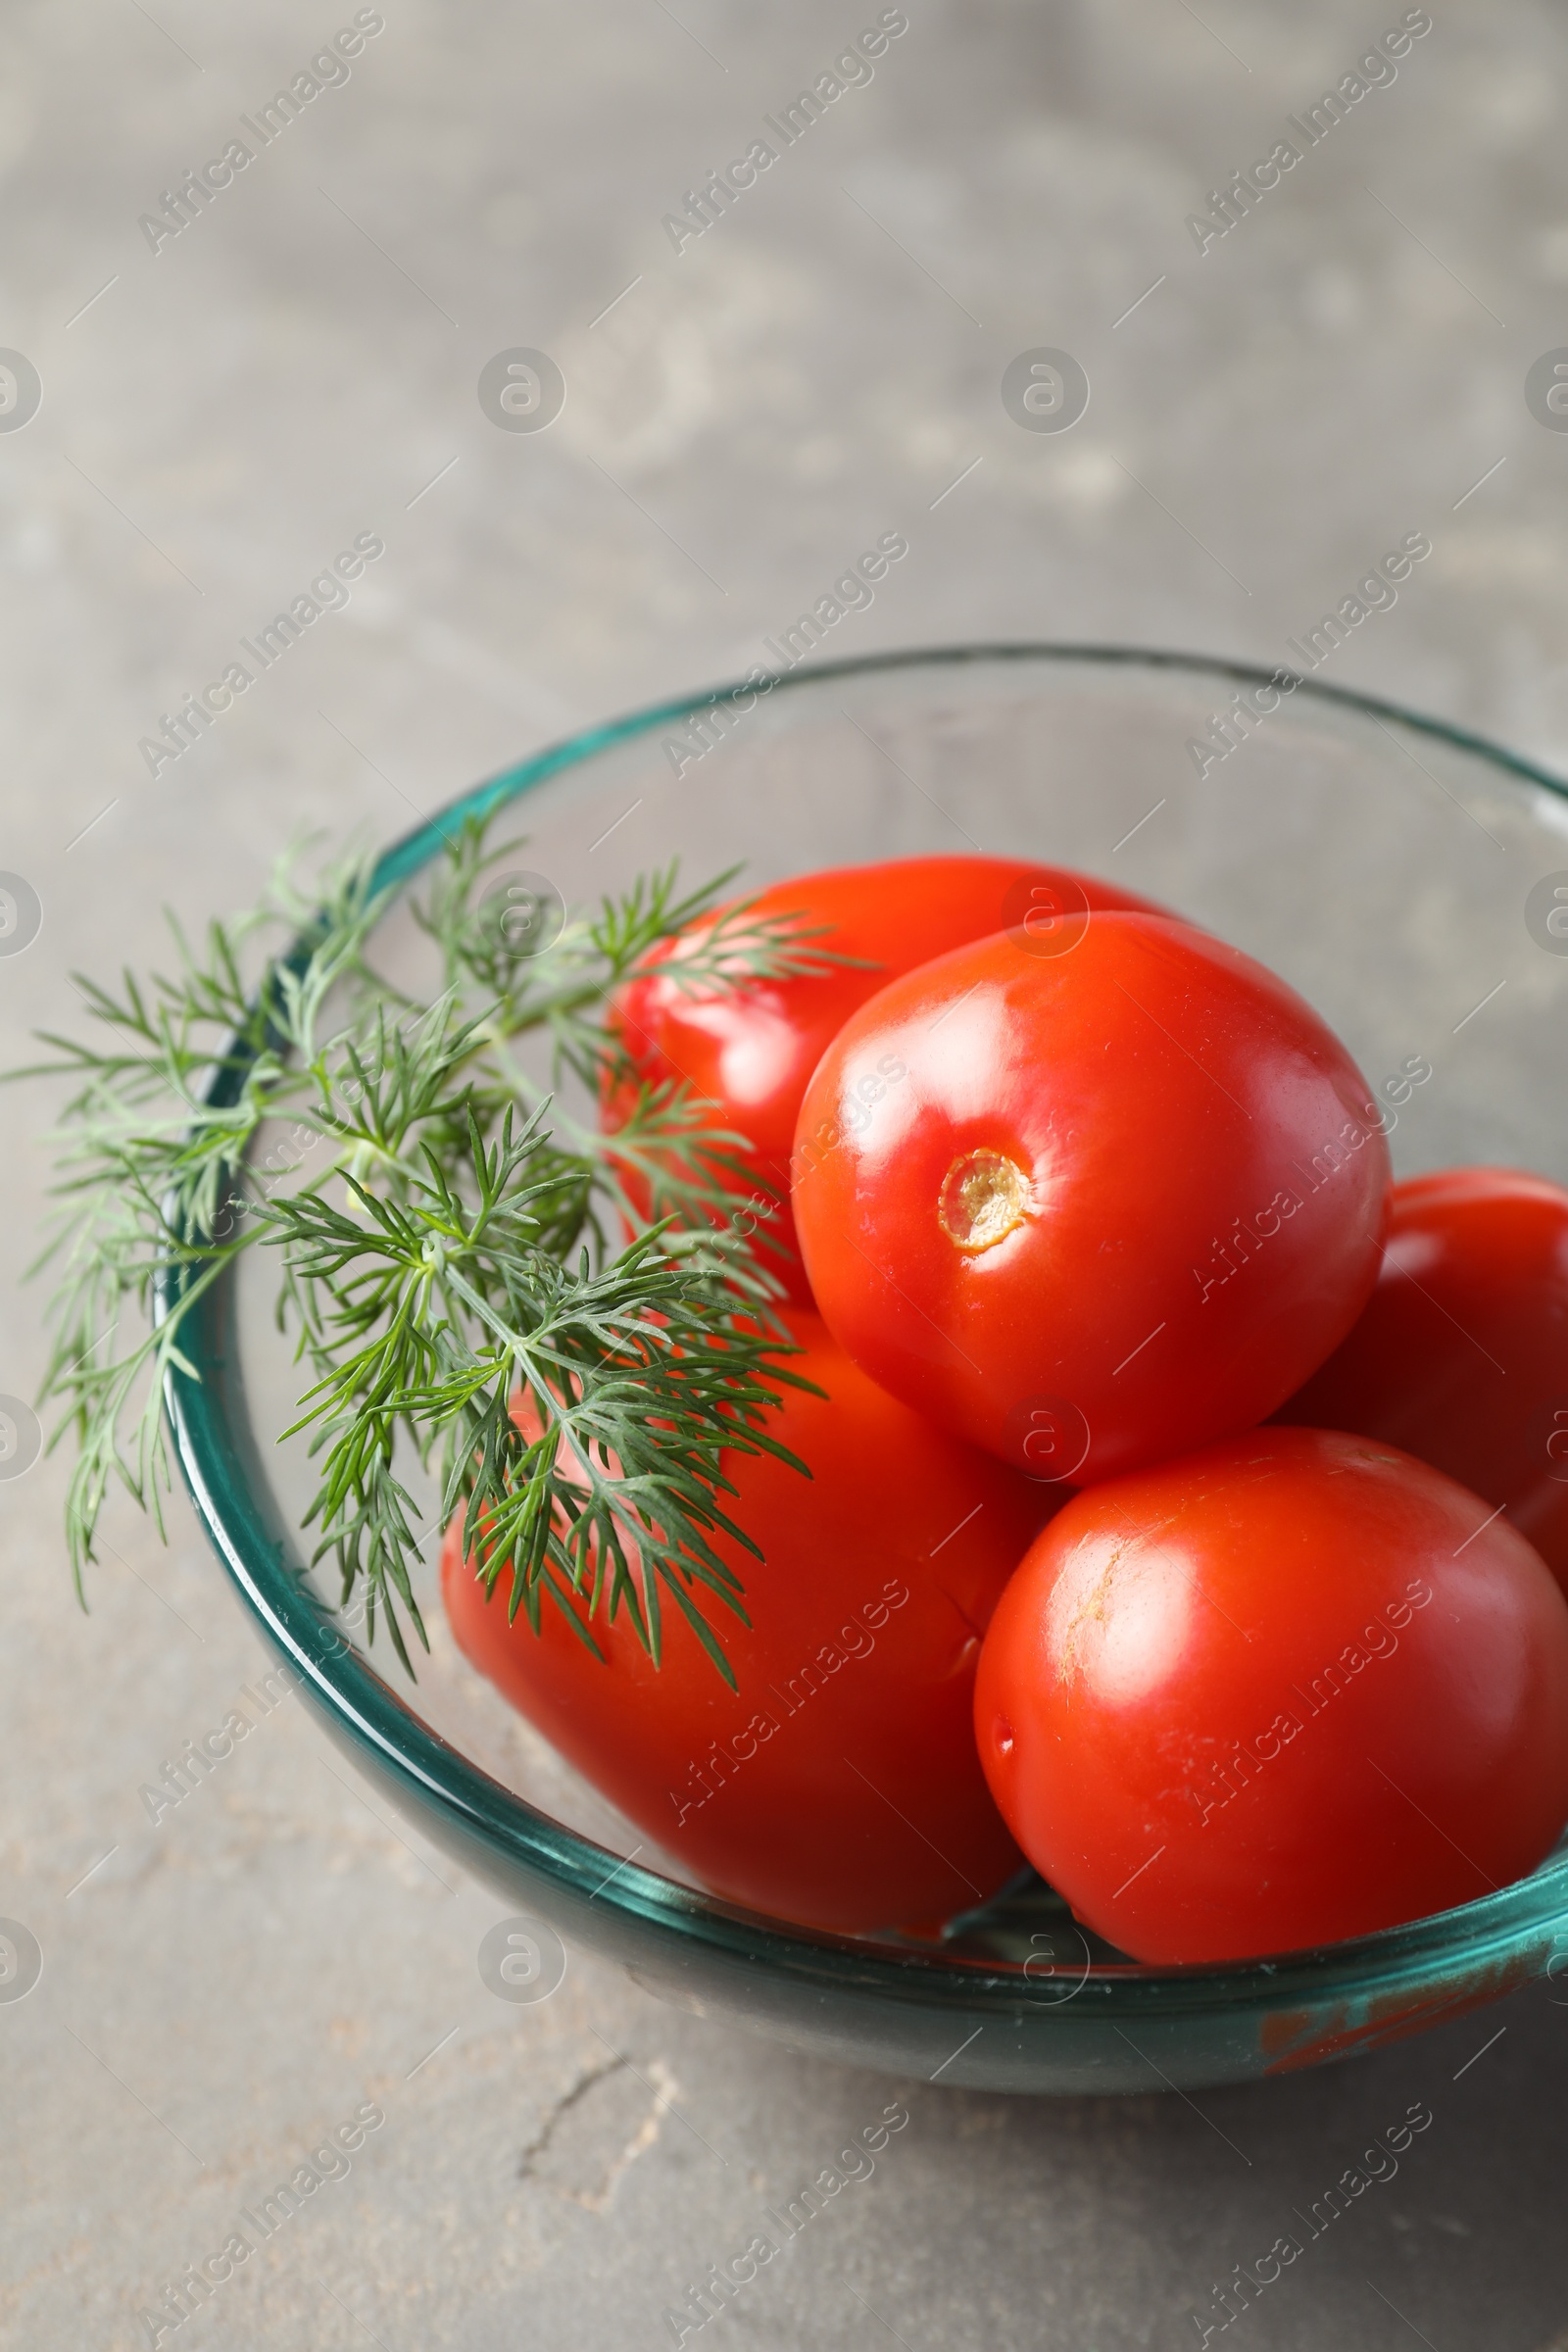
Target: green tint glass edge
(1479, 1938)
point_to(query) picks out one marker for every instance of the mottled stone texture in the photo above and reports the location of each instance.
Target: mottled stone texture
(293, 369)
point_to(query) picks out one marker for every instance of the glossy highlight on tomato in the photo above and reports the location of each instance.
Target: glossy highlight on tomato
(748, 1050)
(1292, 1688)
(1094, 1208)
(1460, 1355)
(840, 1786)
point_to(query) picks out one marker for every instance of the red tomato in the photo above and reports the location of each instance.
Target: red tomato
(749, 1050)
(1288, 1690)
(840, 1786)
(1092, 1209)
(1461, 1353)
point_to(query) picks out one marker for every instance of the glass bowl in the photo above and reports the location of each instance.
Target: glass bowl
(1398, 872)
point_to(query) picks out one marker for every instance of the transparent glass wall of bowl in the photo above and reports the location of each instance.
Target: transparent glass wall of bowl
(1382, 867)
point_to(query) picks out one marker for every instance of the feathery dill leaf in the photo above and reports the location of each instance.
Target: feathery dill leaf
(446, 1234)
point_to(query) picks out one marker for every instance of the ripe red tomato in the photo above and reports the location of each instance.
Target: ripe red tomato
(840, 1786)
(1288, 1690)
(1461, 1352)
(749, 1050)
(1093, 1209)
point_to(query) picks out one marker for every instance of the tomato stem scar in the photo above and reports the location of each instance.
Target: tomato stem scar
(984, 1197)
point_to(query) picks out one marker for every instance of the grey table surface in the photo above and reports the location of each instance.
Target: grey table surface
(221, 410)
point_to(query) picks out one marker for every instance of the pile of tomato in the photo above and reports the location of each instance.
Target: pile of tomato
(1187, 1509)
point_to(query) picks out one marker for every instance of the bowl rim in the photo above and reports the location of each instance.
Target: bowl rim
(210, 1441)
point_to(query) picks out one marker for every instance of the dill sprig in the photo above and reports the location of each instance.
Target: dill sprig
(449, 1235)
